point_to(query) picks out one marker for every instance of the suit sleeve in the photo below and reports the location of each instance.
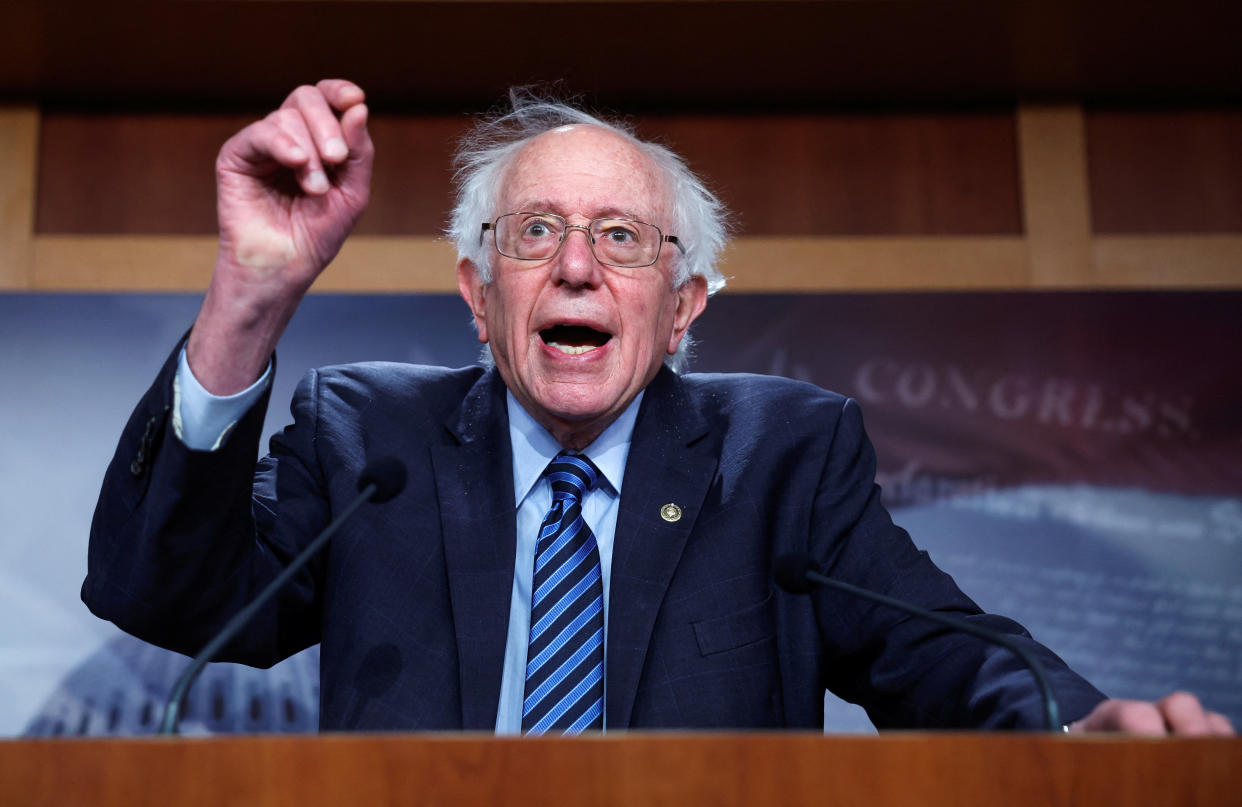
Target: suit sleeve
(183, 539)
(906, 671)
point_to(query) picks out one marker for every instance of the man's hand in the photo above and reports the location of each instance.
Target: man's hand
(1179, 713)
(290, 188)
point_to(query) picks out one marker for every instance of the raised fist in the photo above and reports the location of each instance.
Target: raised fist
(292, 186)
(289, 190)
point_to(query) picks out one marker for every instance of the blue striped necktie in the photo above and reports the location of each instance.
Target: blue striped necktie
(565, 655)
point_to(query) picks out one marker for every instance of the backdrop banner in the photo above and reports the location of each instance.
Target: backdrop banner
(1073, 459)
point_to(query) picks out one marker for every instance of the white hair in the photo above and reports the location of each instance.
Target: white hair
(700, 220)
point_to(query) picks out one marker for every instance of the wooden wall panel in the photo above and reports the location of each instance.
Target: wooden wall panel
(911, 174)
(789, 263)
(863, 202)
(412, 186)
(1167, 261)
(857, 174)
(18, 140)
(1054, 184)
(153, 174)
(130, 173)
(1165, 171)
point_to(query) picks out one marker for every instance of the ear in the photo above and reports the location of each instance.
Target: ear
(691, 300)
(474, 292)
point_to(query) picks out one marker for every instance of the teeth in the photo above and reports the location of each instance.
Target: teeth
(572, 350)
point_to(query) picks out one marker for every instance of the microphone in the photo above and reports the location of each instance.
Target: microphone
(381, 480)
(386, 475)
(798, 573)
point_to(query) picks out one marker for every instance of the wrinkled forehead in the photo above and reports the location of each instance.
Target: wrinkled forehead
(586, 171)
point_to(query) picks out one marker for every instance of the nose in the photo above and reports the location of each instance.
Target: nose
(575, 263)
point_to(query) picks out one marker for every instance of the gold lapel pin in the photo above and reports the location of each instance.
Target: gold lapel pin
(670, 513)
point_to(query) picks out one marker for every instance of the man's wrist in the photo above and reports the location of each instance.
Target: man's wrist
(202, 420)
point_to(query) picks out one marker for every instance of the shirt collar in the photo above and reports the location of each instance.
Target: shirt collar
(534, 448)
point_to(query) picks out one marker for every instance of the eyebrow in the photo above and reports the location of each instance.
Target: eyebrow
(546, 206)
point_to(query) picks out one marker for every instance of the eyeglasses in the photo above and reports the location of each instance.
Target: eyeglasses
(624, 243)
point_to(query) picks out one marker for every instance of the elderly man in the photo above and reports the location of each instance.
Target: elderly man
(586, 540)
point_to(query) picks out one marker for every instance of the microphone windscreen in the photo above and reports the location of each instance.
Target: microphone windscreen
(388, 476)
(789, 572)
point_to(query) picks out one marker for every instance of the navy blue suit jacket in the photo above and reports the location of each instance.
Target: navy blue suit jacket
(411, 599)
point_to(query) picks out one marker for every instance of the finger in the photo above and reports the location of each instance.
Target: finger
(1219, 725)
(353, 177)
(1134, 717)
(1184, 714)
(310, 173)
(262, 143)
(354, 129)
(349, 97)
(321, 121)
(341, 94)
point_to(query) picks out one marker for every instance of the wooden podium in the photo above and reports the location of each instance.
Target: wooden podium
(1006, 770)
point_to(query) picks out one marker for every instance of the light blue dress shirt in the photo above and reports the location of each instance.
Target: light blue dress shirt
(533, 449)
(202, 421)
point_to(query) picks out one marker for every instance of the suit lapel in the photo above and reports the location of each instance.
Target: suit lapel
(669, 463)
(474, 486)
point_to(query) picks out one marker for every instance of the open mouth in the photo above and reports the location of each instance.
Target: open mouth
(574, 339)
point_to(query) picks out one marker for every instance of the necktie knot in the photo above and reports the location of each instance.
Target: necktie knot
(572, 476)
